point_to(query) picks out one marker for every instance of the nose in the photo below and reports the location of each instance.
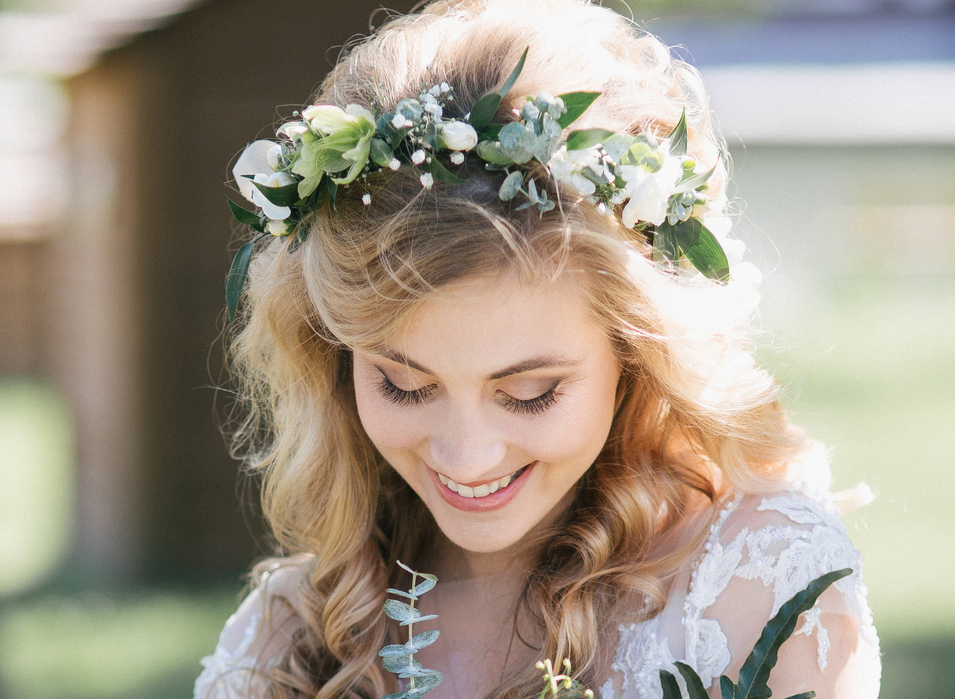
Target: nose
(465, 447)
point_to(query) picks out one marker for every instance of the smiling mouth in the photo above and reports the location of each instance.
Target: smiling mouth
(483, 490)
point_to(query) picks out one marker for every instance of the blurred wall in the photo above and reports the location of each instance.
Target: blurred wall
(141, 265)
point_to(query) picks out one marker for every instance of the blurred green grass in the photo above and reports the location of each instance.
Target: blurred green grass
(872, 374)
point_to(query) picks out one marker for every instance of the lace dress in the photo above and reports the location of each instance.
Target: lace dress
(761, 551)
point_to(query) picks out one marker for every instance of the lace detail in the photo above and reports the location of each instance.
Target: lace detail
(781, 543)
(230, 674)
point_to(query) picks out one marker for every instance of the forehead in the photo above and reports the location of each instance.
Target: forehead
(484, 323)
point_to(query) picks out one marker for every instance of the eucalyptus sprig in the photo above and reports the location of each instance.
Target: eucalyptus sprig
(399, 657)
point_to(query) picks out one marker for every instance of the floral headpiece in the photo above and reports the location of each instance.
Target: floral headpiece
(653, 183)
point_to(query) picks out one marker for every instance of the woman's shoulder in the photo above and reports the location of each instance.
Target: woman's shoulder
(257, 636)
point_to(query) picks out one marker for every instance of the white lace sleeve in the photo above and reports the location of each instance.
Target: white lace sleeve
(253, 641)
(761, 553)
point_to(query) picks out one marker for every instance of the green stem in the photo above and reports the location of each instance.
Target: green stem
(414, 582)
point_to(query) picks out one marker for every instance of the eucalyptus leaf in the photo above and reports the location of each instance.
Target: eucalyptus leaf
(491, 152)
(398, 663)
(424, 639)
(581, 140)
(754, 674)
(678, 137)
(399, 611)
(401, 593)
(576, 103)
(395, 650)
(694, 685)
(671, 689)
(428, 682)
(511, 186)
(427, 584)
(417, 618)
(398, 695)
(244, 216)
(406, 568)
(442, 174)
(236, 279)
(518, 142)
(280, 196)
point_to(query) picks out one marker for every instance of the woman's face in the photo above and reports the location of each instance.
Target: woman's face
(494, 404)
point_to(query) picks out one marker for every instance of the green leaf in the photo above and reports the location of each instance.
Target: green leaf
(665, 241)
(491, 152)
(694, 181)
(515, 74)
(280, 196)
(425, 683)
(395, 650)
(727, 688)
(694, 685)
(381, 153)
(236, 279)
(398, 695)
(401, 593)
(332, 189)
(417, 617)
(580, 140)
(484, 110)
(804, 695)
(429, 580)
(399, 611)
(671, 690)
(244, 216)
(404, 567)
(701, 248)
(424, 639)
(490, 132)
(754, 674)
(577, 103)
(442, 174)
(400, 664)
(677, 137)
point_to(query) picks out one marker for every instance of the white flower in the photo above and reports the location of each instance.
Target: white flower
(253, 161)
(459, 135)
(275, 155)
(445, 87)
(567, 168)
(648, 192)
(292, 130)
(457, 157)
(434, 108)
(278, 179)
(427, 180)
(327, 119)
(366, 199)
(279, 229)
(417, 157)
(395, 164)
(400, 121)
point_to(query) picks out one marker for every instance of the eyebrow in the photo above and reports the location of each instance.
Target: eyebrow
(546, 361)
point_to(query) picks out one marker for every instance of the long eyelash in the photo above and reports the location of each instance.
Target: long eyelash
(402, 397)
(533, 406)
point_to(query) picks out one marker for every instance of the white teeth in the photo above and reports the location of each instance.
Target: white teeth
(480, 491)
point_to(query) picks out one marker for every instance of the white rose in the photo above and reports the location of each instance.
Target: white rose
(459, 135)
(253, 161)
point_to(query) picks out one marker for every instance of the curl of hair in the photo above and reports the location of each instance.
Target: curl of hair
(694, 412)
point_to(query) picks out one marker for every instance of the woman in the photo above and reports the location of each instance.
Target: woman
(488, 360)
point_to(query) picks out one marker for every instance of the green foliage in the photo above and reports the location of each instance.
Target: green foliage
(398, 658)
(754, 674)
(562, 685)
(236, 279)
(485, 108)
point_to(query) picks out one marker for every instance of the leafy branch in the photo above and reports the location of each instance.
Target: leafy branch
(399, 657)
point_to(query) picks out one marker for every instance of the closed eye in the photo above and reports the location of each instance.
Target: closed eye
(531, 406)
(400, 396)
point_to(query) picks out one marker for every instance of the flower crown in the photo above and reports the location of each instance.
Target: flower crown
(653, 183)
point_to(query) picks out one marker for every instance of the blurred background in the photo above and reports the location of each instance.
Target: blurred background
(124, 527)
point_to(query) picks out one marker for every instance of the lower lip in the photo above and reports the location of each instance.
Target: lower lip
(494, 501)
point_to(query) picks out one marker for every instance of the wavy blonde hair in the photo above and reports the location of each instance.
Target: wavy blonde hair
(693, 411)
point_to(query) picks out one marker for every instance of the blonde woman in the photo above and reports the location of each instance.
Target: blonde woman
(505, 377)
